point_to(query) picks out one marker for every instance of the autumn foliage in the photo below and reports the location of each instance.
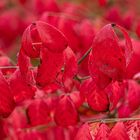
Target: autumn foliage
(69, 70)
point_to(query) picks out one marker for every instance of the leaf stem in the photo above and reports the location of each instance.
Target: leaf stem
(84, 56)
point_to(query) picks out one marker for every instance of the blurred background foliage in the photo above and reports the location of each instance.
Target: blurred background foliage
(16, 15)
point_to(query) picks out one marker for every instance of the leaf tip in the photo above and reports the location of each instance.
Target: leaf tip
(113, 24)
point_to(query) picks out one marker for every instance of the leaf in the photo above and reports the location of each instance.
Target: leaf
(84, 87)
(133, 96)
(124, 111)
(96, 98)
(103, 132)
(128, 49)
(108, 61)
(6, 61)
(134, 65)
(2, 131)
(56, 133)
(7, 103)
(86, 34)
(118, 132)
(102, 2)
(24, 66)
(44, 41)
(41, 6)
(68, 27)
(133, 129)
(22, 90)
(76, 98)
(65, 112)
(38, 112)
(114, 91)
(70, 68)
(27, 42)
(21, 122)
(51, 37)
(83, 133)
(50, 66)
(94, 128)
(131, 99)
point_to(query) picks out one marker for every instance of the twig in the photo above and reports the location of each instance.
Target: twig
(9, 67)
(112, 120)
(84, 56)
(79, 78)
(12, 67)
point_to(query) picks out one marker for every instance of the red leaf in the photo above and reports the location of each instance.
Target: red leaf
(29, 37)
(68, 26)
(41, 40)
(118, 132)
(133, 129)
(7, 103)
(134, 65)
(76, 98)
(5, 61)
(29, 135)
(17, 120)
(134, 95)
(70, 68)
(86, 34)
(2, 130)
(102, 2)
(41, 6)
(138, 29)
(65, 113)
(84, 87)
(108, 61)
(24, 66)
(131, 99)
(22, 90)
(124, 111)
(128, 45)
(41, 34)
(50, 66)
(51, 37)
(96, 98)
(56, 133)
(114, 91)
(83, 133)
(103, 132)
(38, 112)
